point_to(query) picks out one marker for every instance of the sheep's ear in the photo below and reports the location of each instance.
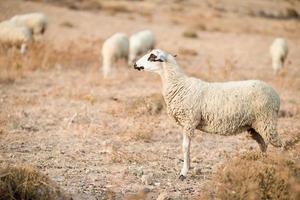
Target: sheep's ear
(162, 57)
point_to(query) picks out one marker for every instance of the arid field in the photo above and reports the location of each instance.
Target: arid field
(112, 138)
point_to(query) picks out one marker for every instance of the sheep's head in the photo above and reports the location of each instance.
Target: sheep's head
(153, 61)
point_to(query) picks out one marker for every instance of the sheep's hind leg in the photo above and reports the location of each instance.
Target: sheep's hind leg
(259, 139)
(186, 154)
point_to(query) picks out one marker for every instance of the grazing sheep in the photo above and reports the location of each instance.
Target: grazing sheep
(14, 36)
(36, 22)
(115, 47)
(222, 108)
(139, 44)
(279, 51)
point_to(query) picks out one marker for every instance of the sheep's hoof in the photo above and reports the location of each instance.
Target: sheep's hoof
(181, 177)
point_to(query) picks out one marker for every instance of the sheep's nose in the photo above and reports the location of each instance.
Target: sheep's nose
(138, 68)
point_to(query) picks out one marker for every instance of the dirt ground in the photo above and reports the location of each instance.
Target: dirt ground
(97, 138)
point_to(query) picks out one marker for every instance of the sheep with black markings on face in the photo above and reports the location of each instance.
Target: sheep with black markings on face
(222, 108)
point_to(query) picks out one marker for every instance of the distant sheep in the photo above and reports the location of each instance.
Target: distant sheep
(15, 36)
(140, 43)
(114, 48)
(36, 22)
(221, 108)
(279, 51)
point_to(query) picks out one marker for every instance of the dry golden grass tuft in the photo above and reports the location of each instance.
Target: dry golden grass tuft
(67, 24)
(254, 176)
(19, 182)
(151, 104)
(138, 132)
(92, 5)
(190, 34)
(187, 52)
(116, 8)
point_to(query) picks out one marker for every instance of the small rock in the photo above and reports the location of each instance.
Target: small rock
(197, 171)
(138, 172)
(147, 179)
(195, 160)
(58, 178)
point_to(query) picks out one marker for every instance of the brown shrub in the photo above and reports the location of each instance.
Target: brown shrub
(190, 34)
(116, 8)
(67, 24)
(76, 4)
(151, 104)
(188, 52)
(20, 182)
(253, 176)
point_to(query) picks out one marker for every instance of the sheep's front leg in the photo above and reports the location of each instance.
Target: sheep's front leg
(186, 154)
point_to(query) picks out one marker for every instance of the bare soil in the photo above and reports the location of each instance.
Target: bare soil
(95, 138)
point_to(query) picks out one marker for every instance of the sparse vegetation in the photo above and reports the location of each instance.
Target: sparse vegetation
(117, 155)
(39, 56)
(190, 34)
(96, 138)
(254, 176)
(67, 24)
(188, 52)
(19, 182)
(151, 104)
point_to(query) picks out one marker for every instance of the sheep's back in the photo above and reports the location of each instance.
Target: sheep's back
(116, 45)
(279, 48)
(232, 107)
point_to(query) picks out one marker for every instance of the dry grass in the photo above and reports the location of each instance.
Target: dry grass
(117, 155)
(116, 8)
(226, 72)
(26, 183)
(67, 24)
(253, 176)
(190, 34)
(40, 56)
(92, 5)
(152, 104)
(187, 52)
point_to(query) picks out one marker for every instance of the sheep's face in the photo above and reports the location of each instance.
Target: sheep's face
(152, 61)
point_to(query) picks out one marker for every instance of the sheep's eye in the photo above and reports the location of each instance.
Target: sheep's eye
(152, 57)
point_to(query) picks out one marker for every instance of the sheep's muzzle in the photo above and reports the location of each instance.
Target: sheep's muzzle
(138, 68)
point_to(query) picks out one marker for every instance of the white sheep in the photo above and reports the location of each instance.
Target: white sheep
(36, 22)
(139, 44)
(221, 108)
(279, 51)
(14, 36)
(114, 48)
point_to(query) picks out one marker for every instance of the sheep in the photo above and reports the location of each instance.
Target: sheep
(279, 51)
(12, 35)
(37, 22)
(140, 43)
(115, 47)
(221, 108)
